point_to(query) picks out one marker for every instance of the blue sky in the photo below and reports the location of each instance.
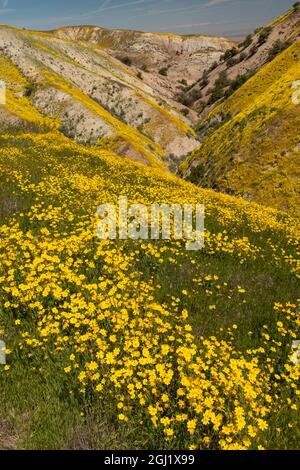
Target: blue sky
(217, 17)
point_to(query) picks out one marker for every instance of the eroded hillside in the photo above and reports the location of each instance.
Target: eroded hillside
(242, 61)
(91, 95)
(167, 62)
(250, 141)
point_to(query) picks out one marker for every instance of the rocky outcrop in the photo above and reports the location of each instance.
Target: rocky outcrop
(179, 56)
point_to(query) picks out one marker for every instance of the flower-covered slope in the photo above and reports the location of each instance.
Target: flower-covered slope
(144, 343)
(250, 141)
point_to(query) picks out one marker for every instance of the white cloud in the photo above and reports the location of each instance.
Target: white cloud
(188, 9)
(212, 3)
(108, 6)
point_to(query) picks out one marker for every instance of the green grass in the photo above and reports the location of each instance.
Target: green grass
(40, 404)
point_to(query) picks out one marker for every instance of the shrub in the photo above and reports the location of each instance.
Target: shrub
(252, 51)
(277, 48)
(184, 111)
(247, 42)
(200, 106)
(164, 71)
(204, 82)
(223, 80)
(216, 94)
(230, 53)
(183, 82)
(264, 34)
(218, 91)
(185, 100)
(231, 62)
(213, 66)
(188, 100)
(238, 82)
(30, 89)
(196, 94)
(126, 60)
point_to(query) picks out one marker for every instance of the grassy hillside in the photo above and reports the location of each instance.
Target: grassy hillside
(140, 344)
(243, 60)
(250, 143)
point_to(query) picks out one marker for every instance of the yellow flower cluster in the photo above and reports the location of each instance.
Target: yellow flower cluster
(90, 305)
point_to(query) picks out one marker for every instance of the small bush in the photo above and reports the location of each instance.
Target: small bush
(196, 94)
(223, 79)
(164, 71)
(264, 34)
(231, 62)
(216, 95)
(204, 80)
(183, 82)
(247, 42)
(185, 100)
(277, 48)
(126, 60)
(230, 53)
(30, 89)
(258, 30)
(252, 51)
(185, 112)
(218, 91)
(238, 82)
(213, 66)
(200, 106)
